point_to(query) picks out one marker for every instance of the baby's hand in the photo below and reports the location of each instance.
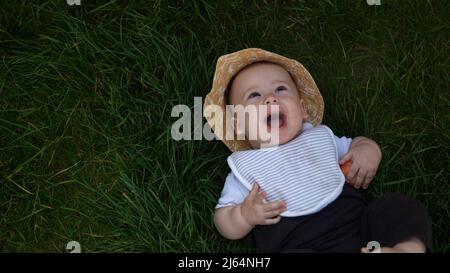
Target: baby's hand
(366, 157)
(256, 212)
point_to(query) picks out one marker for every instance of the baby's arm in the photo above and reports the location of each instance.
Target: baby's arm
(230, 223)
(234, 222)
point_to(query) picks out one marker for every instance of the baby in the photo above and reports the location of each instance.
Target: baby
(294, 196)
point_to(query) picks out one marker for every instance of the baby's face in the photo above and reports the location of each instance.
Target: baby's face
(266, 85)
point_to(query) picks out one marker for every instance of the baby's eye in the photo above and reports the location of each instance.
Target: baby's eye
(281, 88)
(253, 95)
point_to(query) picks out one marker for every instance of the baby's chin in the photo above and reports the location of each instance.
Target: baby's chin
(276, 138)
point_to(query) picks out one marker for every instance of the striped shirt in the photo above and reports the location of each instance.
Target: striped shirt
(304, 172)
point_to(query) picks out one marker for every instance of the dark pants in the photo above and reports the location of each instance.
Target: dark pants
(348, 224)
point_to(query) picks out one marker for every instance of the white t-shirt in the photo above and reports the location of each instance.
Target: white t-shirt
(234, 192)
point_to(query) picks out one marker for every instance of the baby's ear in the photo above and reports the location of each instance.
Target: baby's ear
(303, 109)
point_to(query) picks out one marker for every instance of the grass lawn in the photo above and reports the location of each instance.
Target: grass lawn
(86, 94)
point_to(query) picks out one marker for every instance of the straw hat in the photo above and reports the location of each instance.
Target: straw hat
(229, 65)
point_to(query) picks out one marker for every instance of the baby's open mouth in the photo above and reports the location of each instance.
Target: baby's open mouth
(273, 119)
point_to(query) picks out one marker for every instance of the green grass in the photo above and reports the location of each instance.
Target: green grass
(86, 95)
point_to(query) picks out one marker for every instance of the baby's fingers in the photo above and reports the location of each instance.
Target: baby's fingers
(272, 221)
(369, 177)
(275, 212)
(260, 197)
(255, 188)
(359, 178)
(273, 206)
(352, 172)
(254, 192)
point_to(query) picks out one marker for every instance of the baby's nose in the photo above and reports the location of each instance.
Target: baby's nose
(270, 99)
